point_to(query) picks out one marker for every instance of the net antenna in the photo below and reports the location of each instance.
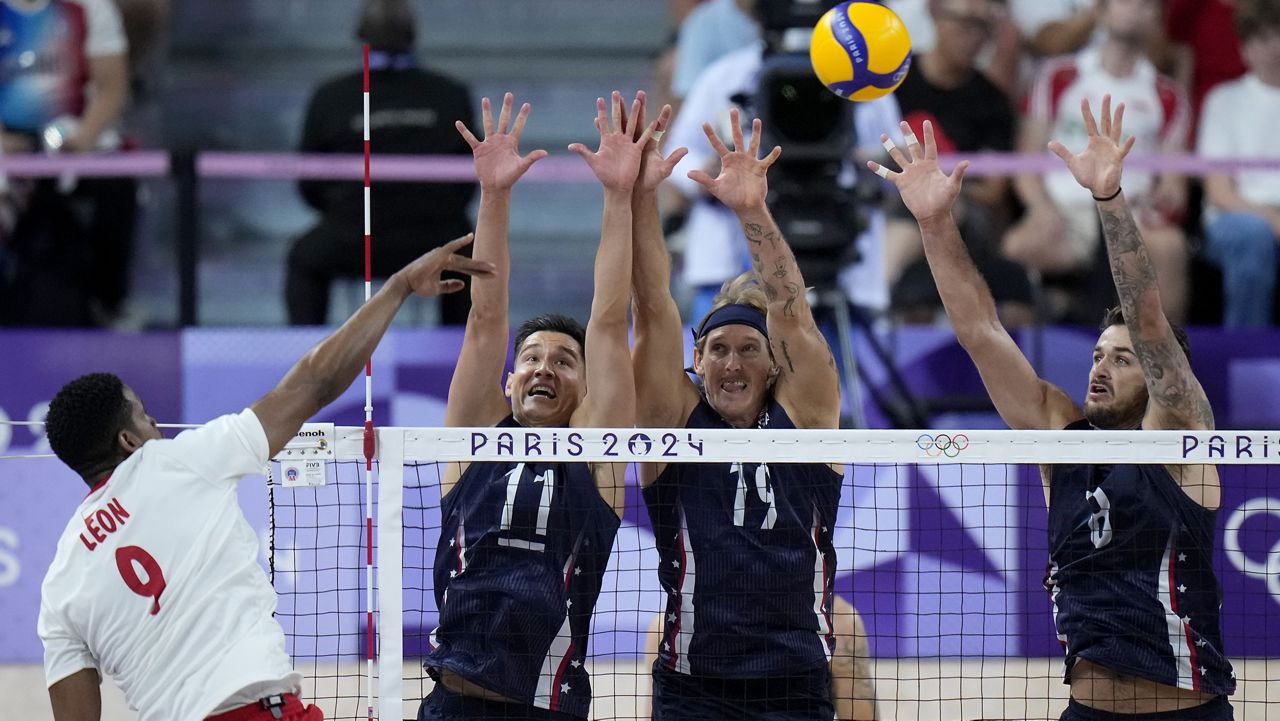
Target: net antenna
(369, 445)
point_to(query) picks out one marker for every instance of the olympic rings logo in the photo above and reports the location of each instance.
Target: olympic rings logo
(942, 444)
(1268, 570)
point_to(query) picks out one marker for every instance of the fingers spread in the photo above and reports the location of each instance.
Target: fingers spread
(714, 139)
(518, 127)
(466, 134)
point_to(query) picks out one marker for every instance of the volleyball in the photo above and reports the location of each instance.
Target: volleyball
(860, 50)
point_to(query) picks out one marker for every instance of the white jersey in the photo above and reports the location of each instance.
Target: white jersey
(156, 581)
(1156, 113)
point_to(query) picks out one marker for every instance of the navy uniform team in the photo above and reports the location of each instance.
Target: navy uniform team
(751, 628)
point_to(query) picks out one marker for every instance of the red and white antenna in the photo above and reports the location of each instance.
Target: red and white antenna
(371, 650)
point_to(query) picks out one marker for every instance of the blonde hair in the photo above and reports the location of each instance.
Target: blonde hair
(742, 290)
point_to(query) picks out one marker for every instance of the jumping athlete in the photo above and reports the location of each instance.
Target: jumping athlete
(524, 546)
(747, 561)
(156, 580)
(1131, 546)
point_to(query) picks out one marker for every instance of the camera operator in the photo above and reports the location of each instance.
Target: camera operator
(772, 79)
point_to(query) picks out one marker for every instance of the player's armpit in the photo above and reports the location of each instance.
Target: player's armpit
(77, 697)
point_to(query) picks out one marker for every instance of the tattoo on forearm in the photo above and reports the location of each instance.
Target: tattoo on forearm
(780, 269)
(1168, 373)
(786, 355)
(754, 231)
(793, 293)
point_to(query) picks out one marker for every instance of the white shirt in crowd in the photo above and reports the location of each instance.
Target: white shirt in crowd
(1156, 113)
(1233, 124)
(156, 581)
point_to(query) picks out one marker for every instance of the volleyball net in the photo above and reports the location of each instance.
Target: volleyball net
(940, 543)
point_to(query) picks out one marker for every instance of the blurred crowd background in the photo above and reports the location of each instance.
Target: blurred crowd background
(120, 76)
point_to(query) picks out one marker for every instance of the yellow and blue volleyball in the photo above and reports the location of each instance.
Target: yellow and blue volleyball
(860, 50)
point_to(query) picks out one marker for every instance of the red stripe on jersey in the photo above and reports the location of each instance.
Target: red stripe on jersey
(1186, 627)
(1061, 78)
(555, 685)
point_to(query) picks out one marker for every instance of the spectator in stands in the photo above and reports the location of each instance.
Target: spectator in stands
(1203, 34)
(969, 114)
(1056, 27)
(1243, 209)
(412, 110)
(1058, 233)
(710, 31)
(64, 88)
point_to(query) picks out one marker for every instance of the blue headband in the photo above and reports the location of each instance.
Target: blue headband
(733, 314)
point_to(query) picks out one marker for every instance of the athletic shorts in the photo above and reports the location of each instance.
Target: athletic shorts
(293, 710)
(1216, 710)
(681, 697)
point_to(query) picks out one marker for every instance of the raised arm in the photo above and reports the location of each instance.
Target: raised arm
(808, 384)
(1177, 401)
(1020, 396)
(475, 393)
(611, 391)
(664, 393)
(321, 375)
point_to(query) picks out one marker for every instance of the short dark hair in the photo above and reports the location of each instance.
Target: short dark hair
(556, 323)
(387, 25)
(1255, 17)
(84, 419)
(1115, 316)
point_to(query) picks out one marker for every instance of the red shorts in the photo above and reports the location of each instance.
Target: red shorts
(293, 710)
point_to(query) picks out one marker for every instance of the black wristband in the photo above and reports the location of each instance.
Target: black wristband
(1109, 197)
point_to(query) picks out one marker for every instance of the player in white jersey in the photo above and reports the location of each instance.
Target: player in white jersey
(156, 581)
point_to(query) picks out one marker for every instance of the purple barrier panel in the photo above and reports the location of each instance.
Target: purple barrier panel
(37, 496)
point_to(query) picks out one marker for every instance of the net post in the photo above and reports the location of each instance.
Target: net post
(390, 572)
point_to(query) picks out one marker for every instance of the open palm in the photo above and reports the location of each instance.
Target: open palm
(497, 158)
(654, 167)
(926, 190)
(616, 161)
(1098, 166)
(742, 182)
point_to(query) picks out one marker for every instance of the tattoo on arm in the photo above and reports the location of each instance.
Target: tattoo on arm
(1168, 373)
(793, 291)
(786, 355)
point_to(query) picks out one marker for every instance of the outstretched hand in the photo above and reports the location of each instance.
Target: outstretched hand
(423, 274)
(616, 163)
(497, 157)
(741, 183)
(654, 168)
(1098, 166)
(926, 190)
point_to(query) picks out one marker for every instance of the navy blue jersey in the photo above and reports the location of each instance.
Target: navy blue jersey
(522, 554)
(746, 561)
(1131, 575)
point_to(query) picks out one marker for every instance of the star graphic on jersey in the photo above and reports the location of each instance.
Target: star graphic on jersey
(1182, 557)
(1182, 588)
(825, 529)
(666, 646)
(564, 687)
(452, 541)
(675, 563)
(1233, 674)
(570, 602)
(575, 663)
(577, 570)
(1186, 619)
(1200, 643)
(453, 574)
(1203, 671)
(671, 618)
